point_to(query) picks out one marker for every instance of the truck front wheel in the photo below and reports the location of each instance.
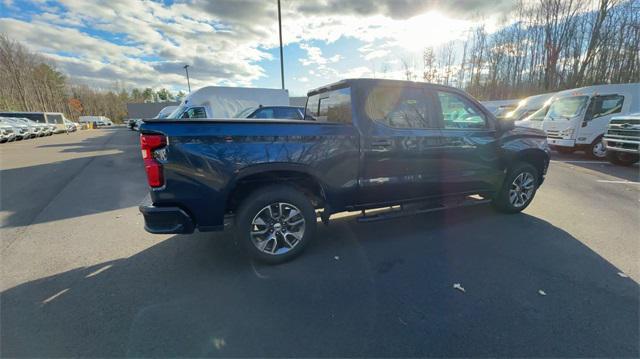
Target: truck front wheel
(275, 223)
(596, 149)
(622, 158)
(518, 189)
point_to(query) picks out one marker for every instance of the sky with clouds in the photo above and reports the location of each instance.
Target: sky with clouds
(235, 42)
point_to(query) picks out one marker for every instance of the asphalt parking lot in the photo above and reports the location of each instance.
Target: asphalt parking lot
(80, 276)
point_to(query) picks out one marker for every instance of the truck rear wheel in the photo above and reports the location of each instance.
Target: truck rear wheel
(275, 223)
(518, 189)
(622, 158)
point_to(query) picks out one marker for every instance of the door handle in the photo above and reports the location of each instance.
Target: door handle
(381, 143)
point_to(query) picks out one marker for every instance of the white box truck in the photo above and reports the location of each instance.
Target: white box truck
(226, 102)
(99, 120)
(578, 118)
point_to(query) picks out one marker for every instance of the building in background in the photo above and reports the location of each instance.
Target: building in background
(147, 110)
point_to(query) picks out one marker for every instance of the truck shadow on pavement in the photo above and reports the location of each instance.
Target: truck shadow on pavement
(377, 289)
(86, 145)
(109, 176)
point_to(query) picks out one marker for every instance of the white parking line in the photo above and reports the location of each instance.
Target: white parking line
(597, 162)
(625, 182)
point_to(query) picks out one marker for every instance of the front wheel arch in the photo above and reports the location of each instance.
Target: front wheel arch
(538, 158)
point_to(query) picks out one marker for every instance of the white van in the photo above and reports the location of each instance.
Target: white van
(528, 106)
(578, 118)
(226, 102)
(54, 118)
(535, 119)
(500, 108)
(99, 120)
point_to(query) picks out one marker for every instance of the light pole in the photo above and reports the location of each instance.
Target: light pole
(281, 57)
(186, 69)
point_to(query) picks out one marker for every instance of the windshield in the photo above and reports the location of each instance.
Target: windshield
(177, 112)
(519, 111)
(503, 111)
(567, 107)
(538, 115)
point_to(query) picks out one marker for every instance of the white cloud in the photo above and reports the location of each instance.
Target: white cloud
(360, 71)
(146, 43)
(315, 57)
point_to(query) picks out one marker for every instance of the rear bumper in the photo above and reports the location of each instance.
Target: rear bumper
(165, 220)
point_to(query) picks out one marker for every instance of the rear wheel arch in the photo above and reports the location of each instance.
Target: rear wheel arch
(254, 179)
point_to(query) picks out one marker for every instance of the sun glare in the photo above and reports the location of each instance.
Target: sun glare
(429, 29)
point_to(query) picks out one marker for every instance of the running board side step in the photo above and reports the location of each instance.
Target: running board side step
(424, 207)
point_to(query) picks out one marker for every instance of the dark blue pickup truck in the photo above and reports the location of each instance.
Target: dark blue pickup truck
(363, 144)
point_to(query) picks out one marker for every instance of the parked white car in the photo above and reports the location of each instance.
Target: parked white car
(577, 119)
(21, 130)
(7, 133)
(52, 118)
(71, 126)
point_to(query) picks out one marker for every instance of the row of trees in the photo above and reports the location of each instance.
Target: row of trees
(29, 82)
(550, 45)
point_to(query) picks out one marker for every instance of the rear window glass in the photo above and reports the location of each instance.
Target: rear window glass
(288, 113)
(330, 106)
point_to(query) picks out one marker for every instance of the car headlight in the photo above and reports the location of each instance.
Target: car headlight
(567, 132)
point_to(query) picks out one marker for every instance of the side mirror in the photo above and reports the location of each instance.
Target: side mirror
(506, 124)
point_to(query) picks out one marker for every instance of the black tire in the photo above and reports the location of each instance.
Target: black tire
(251, 209)
(502, 201)
(595, 148)
(622, 158)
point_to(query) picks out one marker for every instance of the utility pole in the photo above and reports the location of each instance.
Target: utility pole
(281, 56)
(186, 68)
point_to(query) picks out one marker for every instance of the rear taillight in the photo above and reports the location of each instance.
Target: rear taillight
(150, 143)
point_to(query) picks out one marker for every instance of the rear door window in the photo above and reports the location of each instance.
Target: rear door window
(401, 107)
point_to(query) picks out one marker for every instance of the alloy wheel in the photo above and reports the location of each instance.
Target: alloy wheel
(277, 228)
(521, 189)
